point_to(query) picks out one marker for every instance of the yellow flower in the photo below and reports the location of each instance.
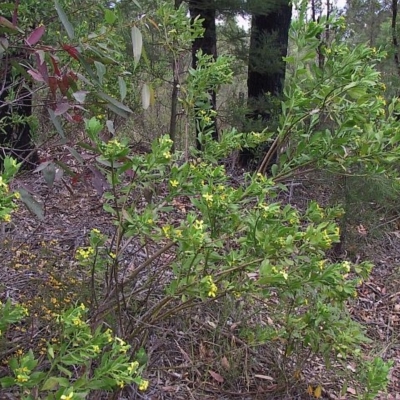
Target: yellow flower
(17, 195)
(167, 231)
(94, 230)
(22, 378)
(321, 264)
(208, 197)
(212, 289)
(167, 155)
(120, 341)
(174, 183)
(346, 266)
(96, 348)
(68, 396)
(77, 321)
(133, 367)
(198, 224)
(144, 384)
(178, 233)
(3, 184)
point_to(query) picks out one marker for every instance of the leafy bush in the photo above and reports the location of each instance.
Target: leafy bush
(225, 240)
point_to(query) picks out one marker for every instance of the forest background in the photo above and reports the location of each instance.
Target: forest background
(196, 210)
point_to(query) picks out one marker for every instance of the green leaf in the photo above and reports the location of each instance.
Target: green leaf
(114, 102)
(101, 70)
(3, 46)
(122, 88)
(108, 209)
(64, 370)
(31, 204)
(109, 16)
(76, 155)
(137, 43)
(146, 95)
(56, 122)
(51, 383)
(64, 20)
(7, 381)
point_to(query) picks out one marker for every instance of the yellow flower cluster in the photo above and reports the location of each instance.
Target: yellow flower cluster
(326, 238)
(3, 184)
(198, 224)
(143, 385)
(133, 367)
(84, 254)
(346, 265)
(212, 287)
(321, 264)
(208, 198)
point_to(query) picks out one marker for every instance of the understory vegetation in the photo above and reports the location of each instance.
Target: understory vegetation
(189, 246)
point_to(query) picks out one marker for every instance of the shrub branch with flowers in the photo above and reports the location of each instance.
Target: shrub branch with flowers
(227, 241)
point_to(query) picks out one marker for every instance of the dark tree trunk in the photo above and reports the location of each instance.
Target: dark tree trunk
(208, 44)
(175, 93)
(394, 36)
(266, 68)
(15, 111)
(268, 45)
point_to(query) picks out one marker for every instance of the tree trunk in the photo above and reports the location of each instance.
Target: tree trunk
(266, 69)
(208, 44)
(15, 112)
(175, 93)
(268, 45)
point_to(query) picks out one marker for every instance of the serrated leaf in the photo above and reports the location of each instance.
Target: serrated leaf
(137, 43)
(64, 20)
(31, 204)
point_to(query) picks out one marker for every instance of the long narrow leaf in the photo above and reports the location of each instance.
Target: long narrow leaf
(137, 43)
(115, 102)
(64, 20)
(31, 204)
